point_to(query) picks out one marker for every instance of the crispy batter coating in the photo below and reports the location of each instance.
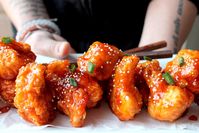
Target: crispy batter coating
(166, 102)
(74, 90)
(140, 82)
(186, 75)
(125, 99)
(13, 56)
(103, 56)
(7, 90)
(34, 102)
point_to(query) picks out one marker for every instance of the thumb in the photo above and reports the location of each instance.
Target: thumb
(59, 49)
(53, 48)
(45, 43)
(50, 47)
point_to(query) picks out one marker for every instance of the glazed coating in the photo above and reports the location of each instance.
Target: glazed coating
(34, 102)
(104, 58)
(187, 75)
(13, 56)
(125, 100)
(166, 102)
(7, 90)
(73, 99)
(140, 82)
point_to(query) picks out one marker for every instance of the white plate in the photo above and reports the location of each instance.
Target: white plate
(102, 119)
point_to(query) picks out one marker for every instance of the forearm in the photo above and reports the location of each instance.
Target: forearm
(169, 20)
(21, 11)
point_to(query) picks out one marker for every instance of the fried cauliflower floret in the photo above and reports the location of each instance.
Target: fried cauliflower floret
(140, 82)
(125, 100)
(99, 60)
(7, 90)
(74, 90)
(33, 100)
(13, 56)
(184, 68)
(166, 102)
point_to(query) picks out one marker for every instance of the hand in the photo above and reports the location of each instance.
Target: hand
(49, 44)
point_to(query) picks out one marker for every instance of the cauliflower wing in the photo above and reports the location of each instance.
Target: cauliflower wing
(7, 90)
(34, 102)
(184, 68)
(99, 60)
(166, 102)
(73, 89)
(125, 100)
(13, 56)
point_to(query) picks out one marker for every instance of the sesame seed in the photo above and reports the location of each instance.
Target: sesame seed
(126, 98)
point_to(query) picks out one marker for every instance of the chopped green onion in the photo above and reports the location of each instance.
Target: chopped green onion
(6, 40)
(72, 67)
(72, 82)
(168, 78)
(181, 61)
(126, 54)
(91, 67)
(147, 58)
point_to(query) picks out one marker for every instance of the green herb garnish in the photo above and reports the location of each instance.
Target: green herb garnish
(147, 58)
(91, 67)
(126, 54)
(168, 78)
(72, 67)
(6, 40)
(72, 82)
(181, 61)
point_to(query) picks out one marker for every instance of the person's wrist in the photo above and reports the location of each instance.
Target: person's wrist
(34, 25)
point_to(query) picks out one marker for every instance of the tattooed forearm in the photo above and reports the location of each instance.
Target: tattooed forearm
(33, 8)
(180, 7)
(177, 23)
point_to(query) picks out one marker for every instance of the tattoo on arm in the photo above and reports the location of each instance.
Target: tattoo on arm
(33, 8)
(177, 24)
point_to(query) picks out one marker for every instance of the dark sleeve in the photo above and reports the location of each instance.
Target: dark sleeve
(196, 3)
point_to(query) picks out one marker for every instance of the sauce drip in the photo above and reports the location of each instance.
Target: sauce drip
(193, 118)
(4, 109)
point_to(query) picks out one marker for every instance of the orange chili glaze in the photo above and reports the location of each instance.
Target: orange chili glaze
(186, 75)
(4, 109)
(193, 118)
